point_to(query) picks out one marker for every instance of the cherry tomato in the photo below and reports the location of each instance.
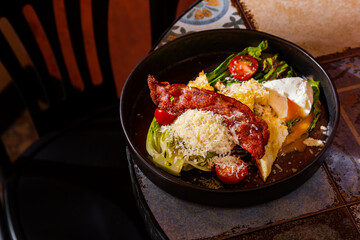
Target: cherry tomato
(242, 67)
(231, 172)
(164, 117)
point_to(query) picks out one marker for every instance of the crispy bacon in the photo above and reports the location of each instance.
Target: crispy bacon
(252, 131)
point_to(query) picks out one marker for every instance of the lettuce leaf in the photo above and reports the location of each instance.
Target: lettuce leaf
(316, 103)
(255, 52)
(273, 68)
(161, 147)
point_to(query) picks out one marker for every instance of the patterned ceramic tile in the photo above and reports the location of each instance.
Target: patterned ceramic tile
(185, 220)
(335, 224)
(207, 14)
(355, 212)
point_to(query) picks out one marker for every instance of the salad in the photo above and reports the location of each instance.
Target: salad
(250, 109)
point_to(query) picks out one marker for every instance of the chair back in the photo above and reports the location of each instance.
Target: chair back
(162, 15)
(52, 51)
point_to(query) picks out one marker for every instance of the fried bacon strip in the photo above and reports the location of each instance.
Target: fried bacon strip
(252, 131)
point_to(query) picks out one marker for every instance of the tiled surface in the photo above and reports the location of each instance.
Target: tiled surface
(315, 25)
(183, 220)
(336, 224)
(344, 155)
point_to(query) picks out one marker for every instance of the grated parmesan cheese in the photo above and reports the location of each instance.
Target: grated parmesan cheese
(311, 142)
(200, 132)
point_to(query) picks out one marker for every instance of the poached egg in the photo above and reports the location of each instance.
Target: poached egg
(290, 97)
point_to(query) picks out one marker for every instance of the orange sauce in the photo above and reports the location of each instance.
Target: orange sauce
(294, 111)
(294, 141)
(297, 145)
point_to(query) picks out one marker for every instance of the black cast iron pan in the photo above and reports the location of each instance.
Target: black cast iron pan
(180, 61)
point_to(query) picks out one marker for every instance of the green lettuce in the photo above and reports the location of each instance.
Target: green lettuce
(316, 103)
(161, 147)
(270, 68)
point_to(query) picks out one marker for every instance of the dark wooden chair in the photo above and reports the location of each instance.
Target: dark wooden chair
(53, 58)
(73, 183)
(5, 169)
(162, 14)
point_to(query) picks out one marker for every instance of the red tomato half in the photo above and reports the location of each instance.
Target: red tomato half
(163, 117)
(231, 172)
(242, 67)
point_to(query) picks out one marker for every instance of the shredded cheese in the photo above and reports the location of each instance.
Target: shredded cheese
(201, 132)
(323, 128)
(311, 142)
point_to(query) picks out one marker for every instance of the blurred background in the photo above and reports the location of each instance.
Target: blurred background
(129, 42)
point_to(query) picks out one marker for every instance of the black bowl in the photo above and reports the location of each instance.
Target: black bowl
(180, 61)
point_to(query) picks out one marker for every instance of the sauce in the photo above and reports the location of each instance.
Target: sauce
(297, 145)
(294, 111)
(298, 129)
